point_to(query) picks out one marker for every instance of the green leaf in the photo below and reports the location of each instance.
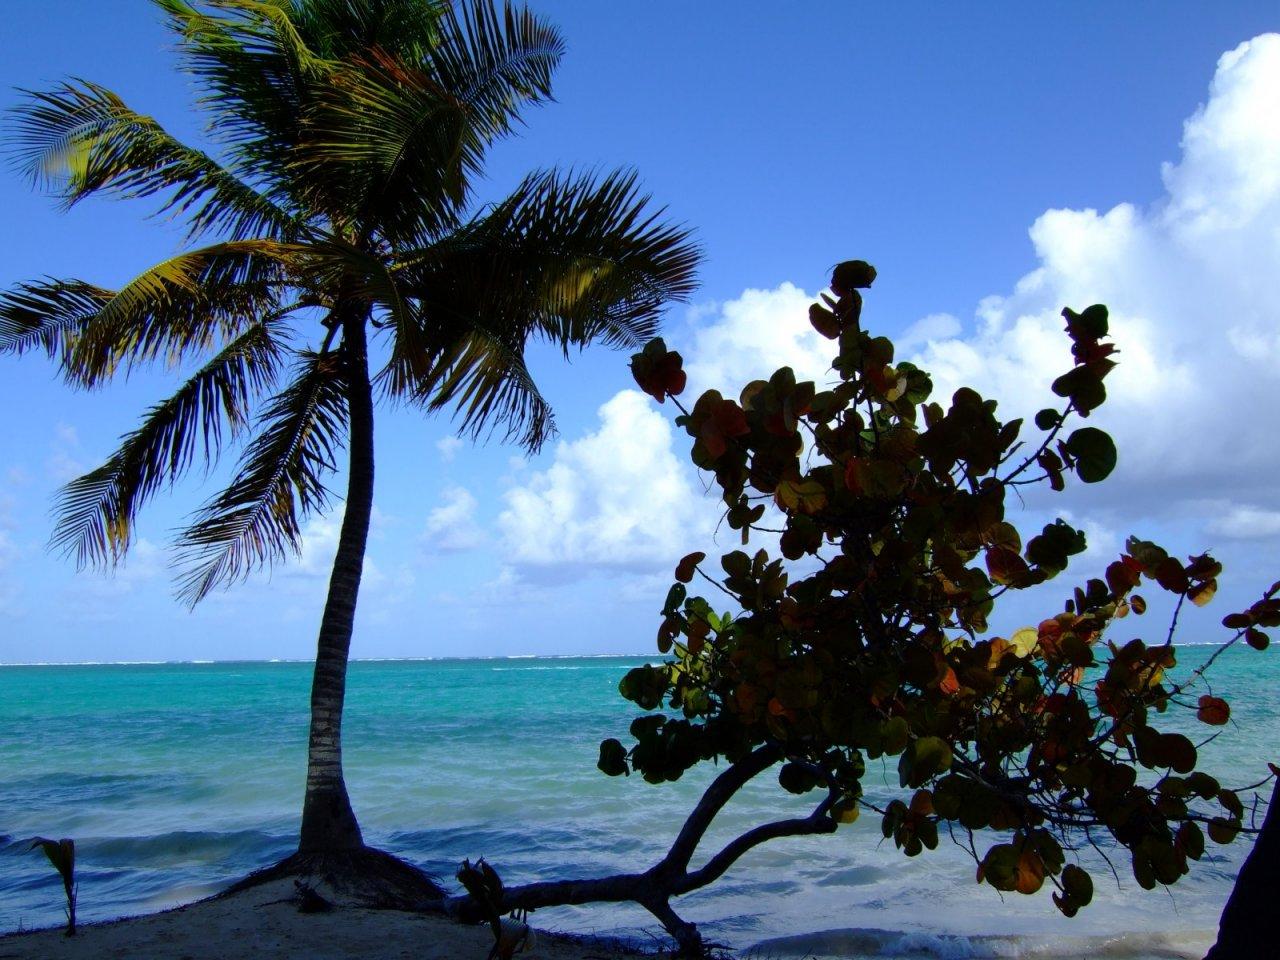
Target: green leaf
(613, 758)
(1048, 418)
(1094, 452)
(1092, 323)
(923, 759)
(797, 778)
(894, 734)
(1083, 387)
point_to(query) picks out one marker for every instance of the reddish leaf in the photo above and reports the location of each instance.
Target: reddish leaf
(1170, 575)
(1213, 711)
(949, 684)
(667, 633)
(725, 420)
(1123, 575)
(1007, 566)
(687, 564)
(658, 371)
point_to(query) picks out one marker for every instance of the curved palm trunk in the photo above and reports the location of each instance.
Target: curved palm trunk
(328, 822)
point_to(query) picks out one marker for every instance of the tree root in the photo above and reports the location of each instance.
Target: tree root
(364, 877)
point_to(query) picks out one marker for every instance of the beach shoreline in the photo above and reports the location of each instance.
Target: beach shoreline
(264, 923)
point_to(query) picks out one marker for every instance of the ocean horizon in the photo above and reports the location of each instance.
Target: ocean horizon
(176, 778)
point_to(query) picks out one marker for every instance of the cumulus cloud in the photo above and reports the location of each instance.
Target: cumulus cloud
(318, 544)
(616, 498)
(750, 338)
(1194, 302)
(452, 527)
(448, 448)
(1195, 311)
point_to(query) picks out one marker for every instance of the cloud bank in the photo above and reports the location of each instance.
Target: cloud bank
(1191, 282)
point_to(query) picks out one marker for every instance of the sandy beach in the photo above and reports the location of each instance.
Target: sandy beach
(264, 924)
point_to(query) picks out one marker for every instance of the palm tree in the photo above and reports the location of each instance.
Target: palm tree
(335, 257)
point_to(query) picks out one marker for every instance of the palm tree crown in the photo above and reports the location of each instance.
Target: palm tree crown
(336, 205)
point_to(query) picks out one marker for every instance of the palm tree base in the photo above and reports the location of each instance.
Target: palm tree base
(363, 877)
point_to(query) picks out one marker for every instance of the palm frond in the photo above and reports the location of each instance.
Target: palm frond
(256, 519)
(181, 306)
(484, 379)
(258, 69)
(337, 30)
(386, 145)
(80, 138)
(96, 512)
(496, 64)
(48, 315)
(395, 142)
(366, 278)
(572, 260)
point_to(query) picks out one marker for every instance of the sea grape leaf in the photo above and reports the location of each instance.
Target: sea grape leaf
(1094, 452)
(613, 758)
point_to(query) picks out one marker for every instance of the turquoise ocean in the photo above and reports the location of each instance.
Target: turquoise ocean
(176, 778)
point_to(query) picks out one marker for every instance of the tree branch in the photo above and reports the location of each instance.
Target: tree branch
(712, 802)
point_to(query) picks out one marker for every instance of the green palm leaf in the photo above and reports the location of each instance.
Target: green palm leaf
(256, 519)
(96, 512)
(394, 143)
(179, 307)
(257, 68)
(48, 315)
(484, 379)
(81, 139)
(574, 260)
(496, 64)
(571, 260)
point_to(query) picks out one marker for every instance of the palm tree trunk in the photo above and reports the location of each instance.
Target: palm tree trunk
(1244, 930)
(328, 822)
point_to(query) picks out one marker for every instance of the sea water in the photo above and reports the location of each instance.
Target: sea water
(174, 779)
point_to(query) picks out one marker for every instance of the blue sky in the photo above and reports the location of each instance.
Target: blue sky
(995, 162)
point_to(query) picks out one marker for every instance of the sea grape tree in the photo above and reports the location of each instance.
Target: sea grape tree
(860, 632)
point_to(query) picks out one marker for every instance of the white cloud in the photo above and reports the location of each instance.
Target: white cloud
(448, 448)
(1195, 311)
(314, 562)
(1244, 522)
(111, 595)
(616, 498)
(1194, 302)
(752, 337)
(927, 330)
(319, 537)
(452, 527)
